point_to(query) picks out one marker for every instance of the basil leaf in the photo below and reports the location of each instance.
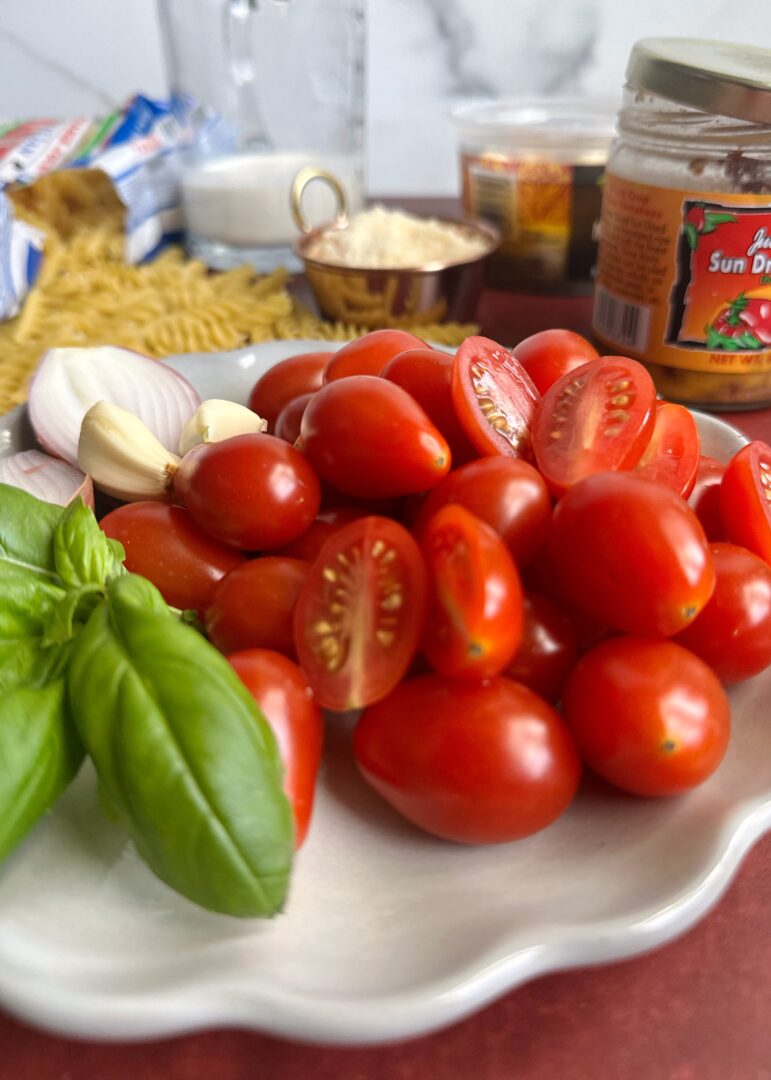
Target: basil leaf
(82, 553)
(69, 614)
(23, 662)
(40, 754)
(183, 753)
(27, 529)
(26, 600)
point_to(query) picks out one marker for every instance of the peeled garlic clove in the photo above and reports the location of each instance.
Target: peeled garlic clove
(122, 456)
(215, 420)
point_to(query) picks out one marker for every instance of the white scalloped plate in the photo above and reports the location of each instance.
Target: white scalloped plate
(387, 932)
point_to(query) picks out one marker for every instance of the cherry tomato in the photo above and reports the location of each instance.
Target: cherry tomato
(547, 651)
(597, 417)
(672, 456)
(253, 605)
(253, 491)
(543, 576)
(369, 354)
(494, 397)
(164, 544)
(474, 622)
(631, 554)
(506, 493)
(426, 374)
(704, 499)
(368, 437)
(288, 421)
(328, 522)
(282, 692)
(479, 763)
(733, 632)
(550, 354)
(648, 716)
(360, 614)
(287, 379)
(745, 499)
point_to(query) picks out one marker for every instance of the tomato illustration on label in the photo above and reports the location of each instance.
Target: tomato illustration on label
(721, 299)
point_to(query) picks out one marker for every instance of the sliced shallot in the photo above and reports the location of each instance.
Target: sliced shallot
(47, 478)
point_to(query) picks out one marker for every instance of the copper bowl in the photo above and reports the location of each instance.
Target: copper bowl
(419, 296)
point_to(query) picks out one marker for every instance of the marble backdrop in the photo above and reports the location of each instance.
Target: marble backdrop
(59, 57)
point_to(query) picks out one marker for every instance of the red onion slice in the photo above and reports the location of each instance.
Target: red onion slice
(47, 478)
(69, 381)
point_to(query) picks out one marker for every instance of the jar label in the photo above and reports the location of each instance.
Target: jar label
(547, 213)
(684, 277)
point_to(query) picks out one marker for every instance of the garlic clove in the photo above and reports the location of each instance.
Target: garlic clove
(215, 420)
(122, 456)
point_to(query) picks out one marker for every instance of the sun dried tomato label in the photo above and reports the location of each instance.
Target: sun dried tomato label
(684, 278)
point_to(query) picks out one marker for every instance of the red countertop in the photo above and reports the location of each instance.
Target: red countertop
(696, 1009)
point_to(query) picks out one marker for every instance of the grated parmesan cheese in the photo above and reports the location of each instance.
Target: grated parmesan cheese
(379, 239)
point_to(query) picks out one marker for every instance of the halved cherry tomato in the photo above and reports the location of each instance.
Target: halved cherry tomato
(672, 455)
(164, 544)
(426, 374)
(631, 554)
(282, 692)
(360, 614)
(288, 421)
(368, 437)
(506, 493)
(648, 716)
(733, 632)
(704, 499)
(494, 398)
(474, 622)
(595, 418)
(479, 763)
(329, 521)
(550, 354)
(368, 355)
(253, 491)
(547, 651)
(745, 499)
(253, 605)
(287, 379)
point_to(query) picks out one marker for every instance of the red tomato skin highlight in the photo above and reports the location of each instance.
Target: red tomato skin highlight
(301, 374)
(369, 354)
(550, 354)
(648, 715)
(477, 763)
(704, 498)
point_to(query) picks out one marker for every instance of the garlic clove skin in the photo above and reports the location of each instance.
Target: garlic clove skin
(215, 420)
(122, 456)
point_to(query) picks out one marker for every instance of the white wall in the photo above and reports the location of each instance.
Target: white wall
(59, 57)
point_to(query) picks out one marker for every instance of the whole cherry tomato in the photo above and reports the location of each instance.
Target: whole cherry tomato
(672, 455)
(474, 622)
(597, 417)
(360, 613)
(547, 651)
(368, 437)
(288, 421)
(732, 633)
(253, 491)
(282, 692)
(288, 379)
(328, 522)
(745, 499)
(704, 499)
(494, 397)
(648, 716)
(550, 354)
(631, 554)
(426, 374)
(479, 763)
(506, 493)
(543, 576)
(253, 605)
(164, 544)
(368, 355)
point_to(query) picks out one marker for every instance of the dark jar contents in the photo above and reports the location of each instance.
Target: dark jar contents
(684, 268)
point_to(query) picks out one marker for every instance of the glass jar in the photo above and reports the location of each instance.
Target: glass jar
(684, 266)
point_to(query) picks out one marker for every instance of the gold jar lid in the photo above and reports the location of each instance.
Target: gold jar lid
(711, 76)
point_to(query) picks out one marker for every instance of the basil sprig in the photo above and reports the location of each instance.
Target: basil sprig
(92, 658)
